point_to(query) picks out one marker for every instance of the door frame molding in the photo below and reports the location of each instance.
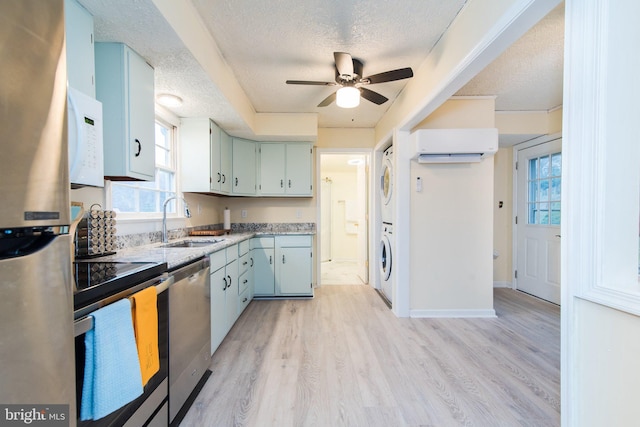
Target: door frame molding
(543, 139)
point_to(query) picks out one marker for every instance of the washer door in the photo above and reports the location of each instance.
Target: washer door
(386, 181)
(385, 258)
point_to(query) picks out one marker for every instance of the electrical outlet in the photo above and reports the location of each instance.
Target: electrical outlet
(243, 213)
(298, 213)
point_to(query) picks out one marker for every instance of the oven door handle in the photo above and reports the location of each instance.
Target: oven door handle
(84, 324)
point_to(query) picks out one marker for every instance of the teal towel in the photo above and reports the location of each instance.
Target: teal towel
(112, 375)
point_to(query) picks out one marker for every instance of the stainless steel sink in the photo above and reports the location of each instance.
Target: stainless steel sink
(191, 243)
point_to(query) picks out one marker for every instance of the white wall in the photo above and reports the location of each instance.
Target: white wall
(343, 244)
(503, 217)
(451, 244)
(451, 223)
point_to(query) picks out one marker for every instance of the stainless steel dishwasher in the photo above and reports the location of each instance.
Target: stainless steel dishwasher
(189, 332)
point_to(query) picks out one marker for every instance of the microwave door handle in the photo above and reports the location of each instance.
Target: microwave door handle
(79, 154)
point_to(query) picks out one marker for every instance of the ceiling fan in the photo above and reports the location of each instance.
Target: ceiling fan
(349, 76)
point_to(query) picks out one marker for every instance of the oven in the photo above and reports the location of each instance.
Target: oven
(99, 284)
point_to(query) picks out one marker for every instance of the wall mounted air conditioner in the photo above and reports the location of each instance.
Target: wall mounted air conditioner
(454, 145)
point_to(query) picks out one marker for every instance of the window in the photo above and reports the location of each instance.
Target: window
(544, 189)
(148, 197)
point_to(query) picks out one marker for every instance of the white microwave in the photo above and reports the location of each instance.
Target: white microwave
(86, 159)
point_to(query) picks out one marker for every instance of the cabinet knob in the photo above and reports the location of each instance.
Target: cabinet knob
(283, 261)
(251, 262)
(281, 183)
(225, 283)
(289, 183)
(139, 147)
(219, 176)
(224, 178)
(229, 280)
(245, 299)
(236, 181)
(270, 260)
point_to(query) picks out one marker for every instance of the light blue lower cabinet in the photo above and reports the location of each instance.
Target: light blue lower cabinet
(283, 266)
(224, 294)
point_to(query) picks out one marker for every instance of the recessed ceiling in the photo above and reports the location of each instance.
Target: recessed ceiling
(266, 43)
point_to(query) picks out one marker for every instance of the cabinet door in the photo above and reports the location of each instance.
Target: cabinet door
(263, 271)
(298, 181)
(142, 150)
(232, 295)
(294, 271)
(195, 144)
(225, 162)
(80, 53)
(219, 285)
(244, 166)
(124, 85)
(214, 147)
(272, 169)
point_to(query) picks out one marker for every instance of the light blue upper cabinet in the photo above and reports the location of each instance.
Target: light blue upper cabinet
(272, 169)
(125, 86)
(80, 50)
(285, 169)
(299, 157)
(244, 167)
(199, 155)
(225, 162)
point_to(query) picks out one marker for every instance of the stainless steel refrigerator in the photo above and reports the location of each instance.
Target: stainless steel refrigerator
(36, 286)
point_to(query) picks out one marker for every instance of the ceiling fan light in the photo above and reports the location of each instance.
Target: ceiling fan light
(348, 97)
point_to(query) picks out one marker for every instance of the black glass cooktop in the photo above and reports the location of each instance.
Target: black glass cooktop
(97, 280)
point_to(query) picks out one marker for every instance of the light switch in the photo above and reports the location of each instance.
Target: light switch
(243, 213)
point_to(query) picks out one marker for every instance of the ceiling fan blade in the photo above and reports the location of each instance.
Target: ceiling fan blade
(389, 76)
(306, 82)
(328, 100)
(372, 96)
(344, 63)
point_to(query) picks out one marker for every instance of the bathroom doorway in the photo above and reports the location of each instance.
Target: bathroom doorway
(344, 218)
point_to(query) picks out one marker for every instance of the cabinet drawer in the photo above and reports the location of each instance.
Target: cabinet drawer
(245, 262)
(296, 241)
(218, 260)
(232, 253)
(243, 301)
(243, 283)
(243, 247)
(262, 242)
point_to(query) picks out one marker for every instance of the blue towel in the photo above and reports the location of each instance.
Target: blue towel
(112, 375)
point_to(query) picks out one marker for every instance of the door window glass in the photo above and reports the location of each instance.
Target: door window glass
(544, 183)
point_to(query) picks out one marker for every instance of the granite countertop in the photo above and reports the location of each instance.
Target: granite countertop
(175, 257)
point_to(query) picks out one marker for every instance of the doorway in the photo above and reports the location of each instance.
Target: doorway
(539, 180)
(343, 224)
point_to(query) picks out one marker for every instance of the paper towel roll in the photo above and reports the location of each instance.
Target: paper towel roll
(227, 219)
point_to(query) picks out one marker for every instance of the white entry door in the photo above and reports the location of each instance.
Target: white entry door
(539, 179)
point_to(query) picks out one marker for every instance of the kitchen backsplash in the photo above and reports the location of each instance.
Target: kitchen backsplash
(140, 239)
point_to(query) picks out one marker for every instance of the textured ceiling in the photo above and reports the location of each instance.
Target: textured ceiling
(266, 43)
(528, 75)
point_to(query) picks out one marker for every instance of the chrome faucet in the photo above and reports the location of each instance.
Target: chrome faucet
(187, 214)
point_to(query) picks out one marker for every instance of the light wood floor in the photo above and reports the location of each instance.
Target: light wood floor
(343, 359)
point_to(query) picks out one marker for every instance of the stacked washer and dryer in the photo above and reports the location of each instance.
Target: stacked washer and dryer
(386, 236)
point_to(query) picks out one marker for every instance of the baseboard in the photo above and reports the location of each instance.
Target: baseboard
(499, 284)
(471, 313)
